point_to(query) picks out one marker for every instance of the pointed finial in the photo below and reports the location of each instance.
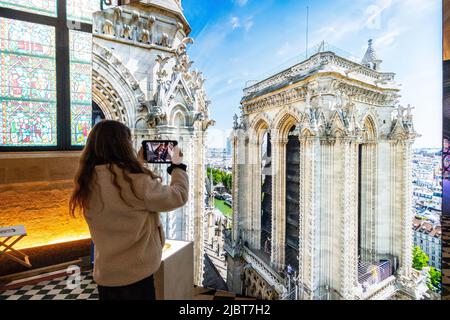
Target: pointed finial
(370, 59)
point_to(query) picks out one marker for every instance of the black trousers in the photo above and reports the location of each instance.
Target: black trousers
(141, 290)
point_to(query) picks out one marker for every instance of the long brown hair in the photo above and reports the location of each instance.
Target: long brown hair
(109, 143)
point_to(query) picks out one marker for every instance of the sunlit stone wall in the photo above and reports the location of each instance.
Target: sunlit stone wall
(34, 192)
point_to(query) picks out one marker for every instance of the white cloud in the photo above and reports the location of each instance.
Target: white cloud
(283, 49)
(235, 22)
(241, 3)
(335, 32)
(387, 40)
(248, 23)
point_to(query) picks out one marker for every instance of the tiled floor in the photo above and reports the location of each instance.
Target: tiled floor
(57, 289)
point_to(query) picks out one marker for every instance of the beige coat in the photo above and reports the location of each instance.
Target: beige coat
(129, 239)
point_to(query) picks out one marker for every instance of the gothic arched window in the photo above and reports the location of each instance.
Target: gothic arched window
(292, 198)
(45, 84)
(266, 193)
(179, 120)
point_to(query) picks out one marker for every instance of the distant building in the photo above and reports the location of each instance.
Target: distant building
(218, 158)
(427, 185)
(228, 148)
(217, 153)
(427, 236)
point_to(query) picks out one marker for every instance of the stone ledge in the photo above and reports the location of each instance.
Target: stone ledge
(20, 167)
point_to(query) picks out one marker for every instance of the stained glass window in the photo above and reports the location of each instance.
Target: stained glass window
(80, 85)
(44, 7)
(27, 84)
(81, 10)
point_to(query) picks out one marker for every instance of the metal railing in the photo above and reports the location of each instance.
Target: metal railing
(371, 273)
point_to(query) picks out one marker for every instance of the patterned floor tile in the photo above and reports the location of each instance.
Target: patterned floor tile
(57, 289)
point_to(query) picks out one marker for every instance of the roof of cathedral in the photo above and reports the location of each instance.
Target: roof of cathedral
(173, 6)
(370, 55)
(326, 59)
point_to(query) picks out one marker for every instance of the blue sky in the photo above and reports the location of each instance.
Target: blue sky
(240, 40)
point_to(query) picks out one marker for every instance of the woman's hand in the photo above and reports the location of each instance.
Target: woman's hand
(177, 155)
(141, 154)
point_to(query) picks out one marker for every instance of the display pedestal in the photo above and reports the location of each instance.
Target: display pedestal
(174, 279)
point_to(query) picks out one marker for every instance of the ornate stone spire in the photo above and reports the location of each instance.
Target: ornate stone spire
(370, 59)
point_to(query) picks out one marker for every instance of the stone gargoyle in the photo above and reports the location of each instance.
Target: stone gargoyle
(155, 116)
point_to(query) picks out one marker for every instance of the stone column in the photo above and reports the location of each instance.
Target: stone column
(236, 181)
(406, 208)
(349, 232)
(278, 198)
(241, 170)
(245, 210)
(255, 195)
(197, 224)
(309, 180)
(275, 187)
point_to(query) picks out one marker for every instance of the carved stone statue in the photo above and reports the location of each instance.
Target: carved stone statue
(155, 116)
(199, 116)
(145, 35)
(161, 80)
(400, 111)
(117, 21)
(164, 40)
(235, 122)
(181, 48)
(127, 32)
(207, 123)
(135, 26)
(409, 109)
(108, 27)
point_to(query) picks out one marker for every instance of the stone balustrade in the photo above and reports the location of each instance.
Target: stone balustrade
(381, 290)
(264, 270)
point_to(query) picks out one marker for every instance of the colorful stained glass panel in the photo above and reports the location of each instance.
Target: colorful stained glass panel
(27, 84)
(80, 85)
(81, 10)
(44, 7)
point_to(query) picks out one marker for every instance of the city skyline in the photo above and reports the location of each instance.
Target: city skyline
(238, 41)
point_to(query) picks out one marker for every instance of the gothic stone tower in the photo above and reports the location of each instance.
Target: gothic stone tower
(142, 76)
(322, 184)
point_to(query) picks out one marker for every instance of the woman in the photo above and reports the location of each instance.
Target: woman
(120, 200)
